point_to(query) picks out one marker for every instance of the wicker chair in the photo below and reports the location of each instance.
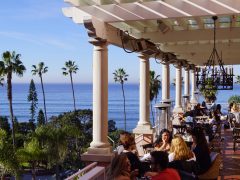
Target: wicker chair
(213, 171)
(236, 137)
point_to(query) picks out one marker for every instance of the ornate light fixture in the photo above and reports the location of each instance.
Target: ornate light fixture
(214, 76)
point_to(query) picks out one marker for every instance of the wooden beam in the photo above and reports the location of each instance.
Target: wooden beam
(192, 35)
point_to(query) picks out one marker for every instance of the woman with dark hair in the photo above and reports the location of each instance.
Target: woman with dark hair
(201, 150)
(163, 142)
(120, 168)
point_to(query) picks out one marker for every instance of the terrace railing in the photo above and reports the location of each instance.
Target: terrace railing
(90, 172)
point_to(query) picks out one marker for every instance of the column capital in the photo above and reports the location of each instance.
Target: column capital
(178, 64)
(93, 38)
(165, 62)
(192, 67)
(97, 41)
(143, 56)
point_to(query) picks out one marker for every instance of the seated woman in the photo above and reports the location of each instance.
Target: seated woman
(120, 168)
(181, 157)
(163, 142)
(126, 143)
(235, 111)
(197, 110)
(129, 149)
(201, 150)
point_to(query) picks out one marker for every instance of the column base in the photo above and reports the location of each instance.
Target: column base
(143, 129)
(168, 101)
(102, 155)
(178, 110)
(142, 137)
(92, 150)
(186, 96)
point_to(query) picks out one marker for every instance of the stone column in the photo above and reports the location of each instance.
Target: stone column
(165, 96)
(165, 82)
(100, 150)
(144, 95)
(143, 132)
(186, 83)
(193, 90)
(178, 97)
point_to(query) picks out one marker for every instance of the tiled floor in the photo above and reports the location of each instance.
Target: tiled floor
(231, 159)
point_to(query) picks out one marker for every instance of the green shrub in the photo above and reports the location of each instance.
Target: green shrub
(234, 98)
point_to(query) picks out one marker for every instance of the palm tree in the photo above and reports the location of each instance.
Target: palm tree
(1, 80)
(40, 70)
(121, 76)
(155, 85)
(70, 67)
(238, 79)
(32, 153)
(10, 64)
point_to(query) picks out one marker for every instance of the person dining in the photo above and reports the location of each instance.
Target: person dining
(204, 109)
(201, 150)
(236, 113)
(120, 168)
(163, 142)
(159, 167)
(127, 141)
(181, 157)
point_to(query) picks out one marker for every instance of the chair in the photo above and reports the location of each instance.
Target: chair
(213, 171)
(236, 137)
(147, 148)
(231, 119)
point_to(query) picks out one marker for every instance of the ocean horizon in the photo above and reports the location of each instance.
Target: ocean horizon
(59, 100)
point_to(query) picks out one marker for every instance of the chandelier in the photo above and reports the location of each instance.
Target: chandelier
(214, 76)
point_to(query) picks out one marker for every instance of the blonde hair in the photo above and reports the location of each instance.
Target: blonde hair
(180, 149)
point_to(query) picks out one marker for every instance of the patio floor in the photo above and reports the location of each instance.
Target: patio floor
(231, 159)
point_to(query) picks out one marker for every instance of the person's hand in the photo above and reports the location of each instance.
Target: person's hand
(134, 173)
(150, 174)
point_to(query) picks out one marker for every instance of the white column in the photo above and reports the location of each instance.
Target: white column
(144, 96)
(178, 96)
(186, 83)
(193, 90)
(165, 82)
(100, 144)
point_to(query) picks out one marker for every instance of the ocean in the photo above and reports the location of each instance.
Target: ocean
(59, 100)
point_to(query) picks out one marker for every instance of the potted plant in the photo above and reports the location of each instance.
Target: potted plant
(209, 92)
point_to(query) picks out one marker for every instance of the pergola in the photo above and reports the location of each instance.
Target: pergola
(173, 31)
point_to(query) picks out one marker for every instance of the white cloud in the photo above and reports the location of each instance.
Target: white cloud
(50, 41)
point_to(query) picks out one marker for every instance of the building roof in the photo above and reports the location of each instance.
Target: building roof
(181, 27)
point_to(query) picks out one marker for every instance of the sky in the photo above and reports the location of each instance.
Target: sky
(38, 30)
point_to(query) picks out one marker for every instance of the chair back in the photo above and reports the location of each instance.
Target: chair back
(236, 136)
(213, 171)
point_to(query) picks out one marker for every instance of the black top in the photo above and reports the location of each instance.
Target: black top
(203, 159)
(137, 164)
(185, 166)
